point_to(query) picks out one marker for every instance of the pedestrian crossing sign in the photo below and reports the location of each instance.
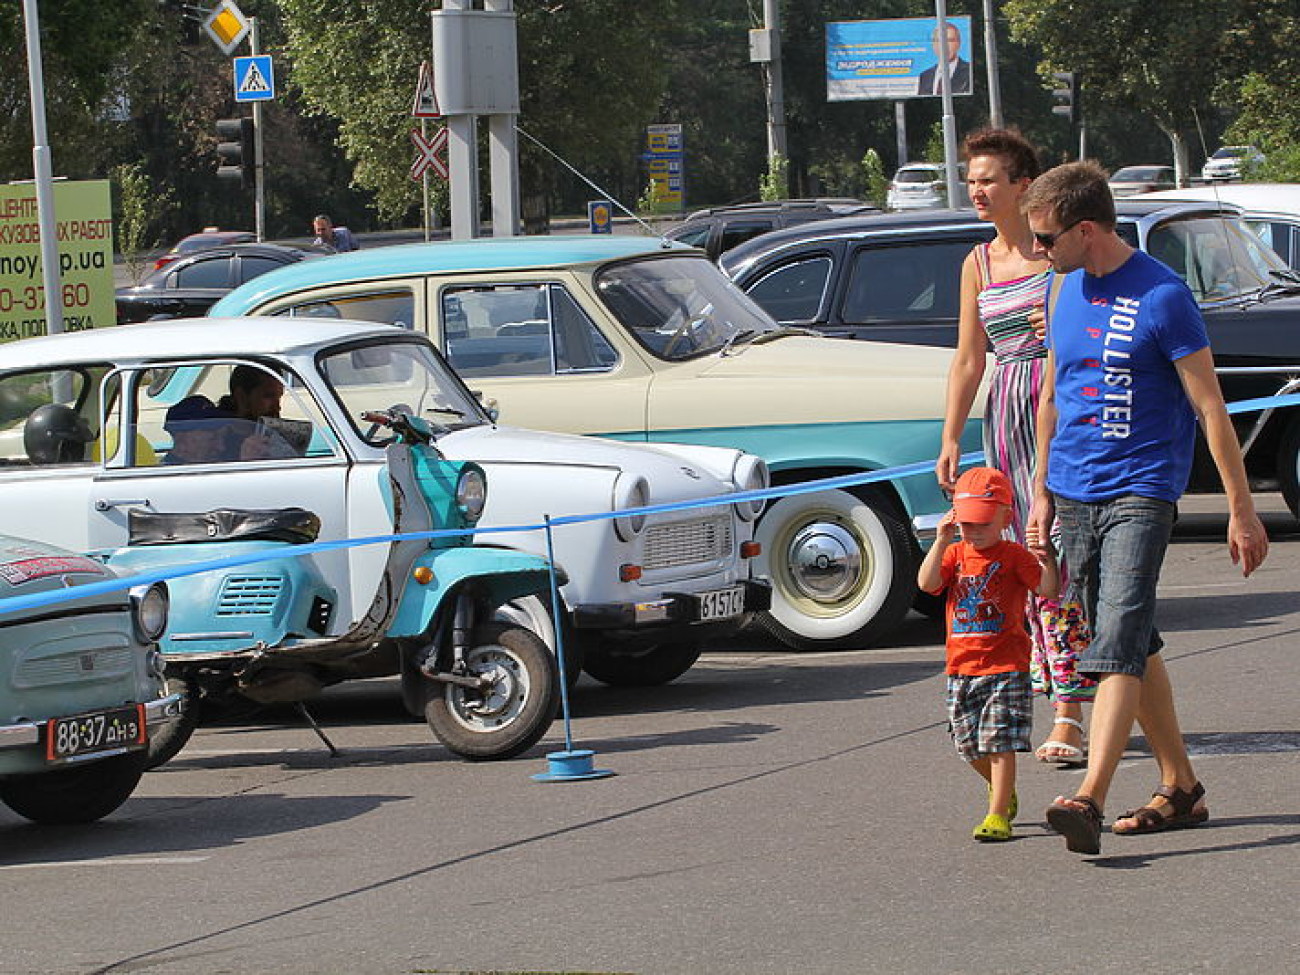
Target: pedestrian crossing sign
(254, 79)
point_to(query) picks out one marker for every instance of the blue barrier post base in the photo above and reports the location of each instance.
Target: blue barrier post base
(572, 766)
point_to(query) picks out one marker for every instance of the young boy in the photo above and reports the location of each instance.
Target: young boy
(990, 701)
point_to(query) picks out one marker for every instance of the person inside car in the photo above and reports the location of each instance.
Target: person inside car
(199, 431)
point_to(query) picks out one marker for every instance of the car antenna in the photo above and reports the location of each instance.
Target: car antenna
(609, 196)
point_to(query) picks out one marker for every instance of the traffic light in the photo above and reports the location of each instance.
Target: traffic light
(1065, 95)
(236, 150)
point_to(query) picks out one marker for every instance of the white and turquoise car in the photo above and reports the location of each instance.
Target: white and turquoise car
(645, 340)
(81, 684)
(641, 591)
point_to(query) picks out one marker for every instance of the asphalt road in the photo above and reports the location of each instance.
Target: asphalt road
(771, 812)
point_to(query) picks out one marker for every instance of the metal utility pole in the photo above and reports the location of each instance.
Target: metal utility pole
(991, 57)
(775, 89)
(949, 118)
(43, 171)
(259, 171)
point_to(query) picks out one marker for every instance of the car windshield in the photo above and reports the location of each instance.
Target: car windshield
(406, 376)
(1217, 258)
(1230, 152)
(1138, 174)
(680, 307)
(917, 176)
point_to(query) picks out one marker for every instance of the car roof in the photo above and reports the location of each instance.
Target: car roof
(734, 260)
(1255, 197)
(184, 338)
(783, 206)
(484, 253)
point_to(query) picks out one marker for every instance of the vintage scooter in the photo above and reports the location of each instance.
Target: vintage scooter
(266, 631)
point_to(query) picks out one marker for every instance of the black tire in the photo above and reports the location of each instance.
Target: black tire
(169, 739)
(520, 708)
(79, 794)
(646, 667)
(930, 605)
(535, 613)
(1288, 466)
(855, 604)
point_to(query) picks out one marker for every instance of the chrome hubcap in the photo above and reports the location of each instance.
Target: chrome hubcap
(825, 561)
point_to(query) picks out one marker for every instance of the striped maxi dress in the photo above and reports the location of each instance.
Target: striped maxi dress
(1058, 631)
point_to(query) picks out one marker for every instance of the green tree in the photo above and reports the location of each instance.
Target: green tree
(1164, 65)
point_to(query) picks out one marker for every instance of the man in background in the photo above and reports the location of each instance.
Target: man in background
(328, 235)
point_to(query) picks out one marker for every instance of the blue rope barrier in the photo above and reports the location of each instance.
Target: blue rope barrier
(15, 604)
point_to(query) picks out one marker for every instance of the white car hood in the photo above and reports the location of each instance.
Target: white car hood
(671, 477)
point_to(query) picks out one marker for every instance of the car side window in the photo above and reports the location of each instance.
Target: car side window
(251, 267)
(396, 307)
(906, 282)
(50, 417)
(188, 415)
(794, 291)
(212, 273)
(739, 232)
(520, 330)
(697, 237)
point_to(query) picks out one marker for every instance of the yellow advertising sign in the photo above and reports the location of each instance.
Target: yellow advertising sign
(84, 213)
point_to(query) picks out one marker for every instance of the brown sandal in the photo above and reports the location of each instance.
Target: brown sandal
(1180, 806)
(1079, 821)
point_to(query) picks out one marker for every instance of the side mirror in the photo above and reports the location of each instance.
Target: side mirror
(489, 405)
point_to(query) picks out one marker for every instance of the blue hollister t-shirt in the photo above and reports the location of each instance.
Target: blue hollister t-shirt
(1124, 423)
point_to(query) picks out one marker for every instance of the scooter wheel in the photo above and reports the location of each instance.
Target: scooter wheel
(516, 708)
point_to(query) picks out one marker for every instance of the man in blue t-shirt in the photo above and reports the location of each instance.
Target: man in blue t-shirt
(1129, 375)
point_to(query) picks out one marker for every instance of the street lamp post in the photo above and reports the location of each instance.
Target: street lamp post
(43, 172)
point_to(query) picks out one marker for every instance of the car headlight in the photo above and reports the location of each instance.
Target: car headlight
(750, 474)
(471, 493)
(149, 608)
(630, 491)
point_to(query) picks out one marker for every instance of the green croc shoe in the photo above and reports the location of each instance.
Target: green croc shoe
(1013, 807)
(994, 829)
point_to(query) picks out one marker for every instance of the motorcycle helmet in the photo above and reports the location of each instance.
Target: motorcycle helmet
(56, 434)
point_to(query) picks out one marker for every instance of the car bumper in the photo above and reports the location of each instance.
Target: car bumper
(671, 610)
(157, 713)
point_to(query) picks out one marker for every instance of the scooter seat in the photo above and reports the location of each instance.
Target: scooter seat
(297, 526)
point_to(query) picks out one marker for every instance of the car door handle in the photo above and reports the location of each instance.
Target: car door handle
(105, 504)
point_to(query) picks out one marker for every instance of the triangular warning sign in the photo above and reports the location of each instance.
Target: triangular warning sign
(254, 82)
(426, 102)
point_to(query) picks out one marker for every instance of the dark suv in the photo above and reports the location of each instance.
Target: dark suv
(896, 278)
(721, 228)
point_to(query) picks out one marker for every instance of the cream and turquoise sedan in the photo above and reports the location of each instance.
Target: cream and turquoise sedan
(642, 339)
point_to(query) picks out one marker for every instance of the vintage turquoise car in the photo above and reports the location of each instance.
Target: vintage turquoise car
(81, 691)
(643, 339)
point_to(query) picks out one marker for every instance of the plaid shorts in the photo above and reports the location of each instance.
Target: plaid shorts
(990, 713)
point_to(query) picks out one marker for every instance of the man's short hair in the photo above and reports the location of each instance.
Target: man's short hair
(1017, 154)
(1072, 192)
(323, 216)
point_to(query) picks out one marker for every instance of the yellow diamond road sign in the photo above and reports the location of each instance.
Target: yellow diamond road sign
(226, 25)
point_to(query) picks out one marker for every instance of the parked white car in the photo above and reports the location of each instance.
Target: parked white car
(923, 186)
(1272, 210)
(1231, 162)
(642, 591)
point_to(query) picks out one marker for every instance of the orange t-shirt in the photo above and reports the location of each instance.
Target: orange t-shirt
(986, 607)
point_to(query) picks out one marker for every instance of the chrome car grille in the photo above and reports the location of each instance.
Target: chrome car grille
(680, 543)
(249, 595)
(74, 666)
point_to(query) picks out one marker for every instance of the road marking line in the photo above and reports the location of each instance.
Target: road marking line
(108, 862)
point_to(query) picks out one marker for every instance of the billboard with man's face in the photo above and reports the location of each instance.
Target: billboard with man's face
(895, 58)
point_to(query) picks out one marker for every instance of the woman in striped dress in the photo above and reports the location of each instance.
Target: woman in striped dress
(1002, 283)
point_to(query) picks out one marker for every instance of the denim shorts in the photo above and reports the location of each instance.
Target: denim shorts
(1114, 550)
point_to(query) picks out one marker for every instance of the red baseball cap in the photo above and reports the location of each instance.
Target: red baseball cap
(979, 493)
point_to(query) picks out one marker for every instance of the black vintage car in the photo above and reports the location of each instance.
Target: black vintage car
(189, 286)
(896, 278)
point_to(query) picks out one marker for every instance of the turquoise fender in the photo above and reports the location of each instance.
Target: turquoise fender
(503, 574)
